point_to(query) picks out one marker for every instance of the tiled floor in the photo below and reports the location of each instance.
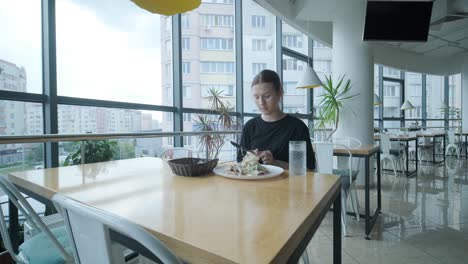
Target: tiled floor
(424, 220)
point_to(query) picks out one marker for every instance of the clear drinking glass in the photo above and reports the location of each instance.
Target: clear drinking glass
(297, 158)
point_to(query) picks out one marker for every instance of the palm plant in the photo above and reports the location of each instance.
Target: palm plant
(332, 101)
(211, 144)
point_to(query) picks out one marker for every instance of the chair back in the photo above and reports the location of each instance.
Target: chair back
(31, 216)
(89, 229)
(324, 157)
(176, 153)
(385, 143)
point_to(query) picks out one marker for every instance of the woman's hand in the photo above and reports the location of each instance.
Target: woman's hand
(265, 156)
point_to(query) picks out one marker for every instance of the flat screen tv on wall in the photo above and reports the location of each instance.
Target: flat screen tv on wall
(397, 21)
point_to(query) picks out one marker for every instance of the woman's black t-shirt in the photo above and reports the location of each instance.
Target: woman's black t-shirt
(275, 137)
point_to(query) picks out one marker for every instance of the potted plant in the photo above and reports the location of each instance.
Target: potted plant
(95, 151)
(219, 120)
(333, 101)
(453, 113)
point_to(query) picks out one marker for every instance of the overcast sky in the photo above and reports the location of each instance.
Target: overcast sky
(105, 49)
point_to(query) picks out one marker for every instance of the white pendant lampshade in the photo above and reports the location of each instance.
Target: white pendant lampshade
(407, 105)
(377, 100)
(309, 79)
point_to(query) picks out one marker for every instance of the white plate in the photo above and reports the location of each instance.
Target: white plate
(273, 171)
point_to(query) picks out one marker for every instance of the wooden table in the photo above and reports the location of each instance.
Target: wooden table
(366, 152)
(434, 136)
(208, 219)
(407, 140)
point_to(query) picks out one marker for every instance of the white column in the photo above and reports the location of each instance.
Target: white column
(464, 92)
(353, 57)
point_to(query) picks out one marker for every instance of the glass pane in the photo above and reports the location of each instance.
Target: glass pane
(20, 118)
(323, 67)
(391, 99)
(391, 72)
(258, 24)
(208, 62)
(294, 100)
(20, 48)
(454, 100)
(113, 50)
(434, 96)
(377, 105)
(83, 119)
(293, 39)
(18, 157)
(392, 126)
(413, 93)
(435, 124)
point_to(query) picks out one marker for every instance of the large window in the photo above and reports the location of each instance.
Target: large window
(294, 100)
(111, 51)
(20, 118)
(454, 99)
(434, 97)
(413, 94)
(257, 24)
(20, 47)
(212, 62)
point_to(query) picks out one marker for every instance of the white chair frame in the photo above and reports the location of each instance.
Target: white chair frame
(452, 144)
(89, 229)
(31, 216)
(324, 158)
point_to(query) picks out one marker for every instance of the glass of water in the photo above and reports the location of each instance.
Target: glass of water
(297, 158)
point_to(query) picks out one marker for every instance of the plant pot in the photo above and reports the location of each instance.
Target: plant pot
(192, 166)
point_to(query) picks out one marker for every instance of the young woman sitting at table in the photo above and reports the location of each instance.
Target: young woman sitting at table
(268, 135)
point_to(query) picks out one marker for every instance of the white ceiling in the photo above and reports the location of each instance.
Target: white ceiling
(445, 39)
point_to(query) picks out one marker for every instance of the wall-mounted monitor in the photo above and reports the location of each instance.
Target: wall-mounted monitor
(397, 20)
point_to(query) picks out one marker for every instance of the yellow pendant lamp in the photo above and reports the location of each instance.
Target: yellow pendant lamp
(167, 7)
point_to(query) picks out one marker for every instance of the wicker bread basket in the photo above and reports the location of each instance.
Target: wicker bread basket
(192, 166)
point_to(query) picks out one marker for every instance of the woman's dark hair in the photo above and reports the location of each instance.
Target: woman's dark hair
(268, 76)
